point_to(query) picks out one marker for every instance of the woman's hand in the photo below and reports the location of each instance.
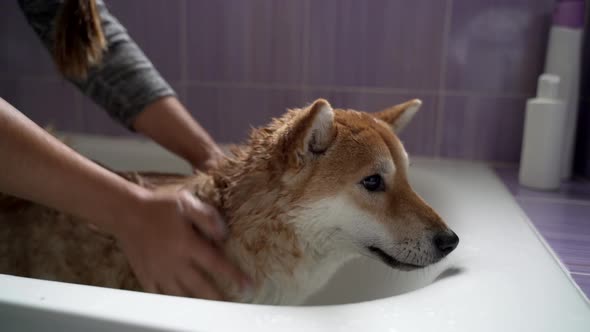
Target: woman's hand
(171, 241)
(213, 160)
(169, 124)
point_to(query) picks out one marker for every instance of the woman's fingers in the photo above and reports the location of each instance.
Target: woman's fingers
(169, 257)
(211, 259)
(204, 217)
(195, 284)
(148, 284)
(186, 280)
(174, 288)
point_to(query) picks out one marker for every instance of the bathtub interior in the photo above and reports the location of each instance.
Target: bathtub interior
(501, 277)
(361, 279)
(365, 279)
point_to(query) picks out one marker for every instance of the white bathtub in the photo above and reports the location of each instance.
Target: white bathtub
(502, 277)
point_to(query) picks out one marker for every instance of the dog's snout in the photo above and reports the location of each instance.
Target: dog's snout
(446, 241)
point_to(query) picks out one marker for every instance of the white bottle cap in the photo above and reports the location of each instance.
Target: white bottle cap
(548, 86)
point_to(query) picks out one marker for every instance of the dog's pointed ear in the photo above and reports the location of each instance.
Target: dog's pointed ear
(311, 132)
(399, 116)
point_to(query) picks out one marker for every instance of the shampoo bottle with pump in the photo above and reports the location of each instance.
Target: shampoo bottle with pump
(544, 129)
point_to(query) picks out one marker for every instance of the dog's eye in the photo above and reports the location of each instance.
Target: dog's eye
(373, 183)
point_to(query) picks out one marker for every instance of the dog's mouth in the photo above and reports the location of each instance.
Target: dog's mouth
(392, 262)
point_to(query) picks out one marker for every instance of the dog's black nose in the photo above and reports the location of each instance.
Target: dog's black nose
(446, 241)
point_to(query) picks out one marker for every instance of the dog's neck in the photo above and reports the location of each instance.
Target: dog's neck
(273, 236)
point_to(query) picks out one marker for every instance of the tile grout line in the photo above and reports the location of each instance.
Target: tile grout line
(357, 89)
(572, 201)
(440, 107)
(306, 41)
(183, 50)
(278, 86)
(25, 78)
(274, 86)
(478, 94)
(505, 165)
(489, 163)
(79, 101)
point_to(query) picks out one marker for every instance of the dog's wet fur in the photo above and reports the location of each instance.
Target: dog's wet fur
(308, 192)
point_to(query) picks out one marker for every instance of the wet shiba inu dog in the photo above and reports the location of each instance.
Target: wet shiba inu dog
(308, 192)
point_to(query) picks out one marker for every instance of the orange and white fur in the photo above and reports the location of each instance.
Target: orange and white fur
(308, 192)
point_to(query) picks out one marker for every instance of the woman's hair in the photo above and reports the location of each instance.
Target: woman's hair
(79, 41)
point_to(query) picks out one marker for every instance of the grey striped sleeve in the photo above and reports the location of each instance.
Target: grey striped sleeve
(125, 82)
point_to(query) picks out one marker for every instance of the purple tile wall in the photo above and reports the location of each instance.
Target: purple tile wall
(245, 41)
(482, 127)
(497, 46)
(22, 53)
(230, 112)
(236, 63)
(376, 43)
(29, 95)
(155, 27)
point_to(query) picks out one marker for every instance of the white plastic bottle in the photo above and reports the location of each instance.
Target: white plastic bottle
(544, 128)
(563, 59)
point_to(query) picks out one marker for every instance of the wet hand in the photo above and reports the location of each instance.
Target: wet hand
(214, 158)
(171, 241)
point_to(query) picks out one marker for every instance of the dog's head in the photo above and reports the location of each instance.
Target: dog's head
(349, 172)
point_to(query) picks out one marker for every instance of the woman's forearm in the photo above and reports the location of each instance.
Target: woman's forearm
(36, 166)
(167, 122)
(156, 231)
